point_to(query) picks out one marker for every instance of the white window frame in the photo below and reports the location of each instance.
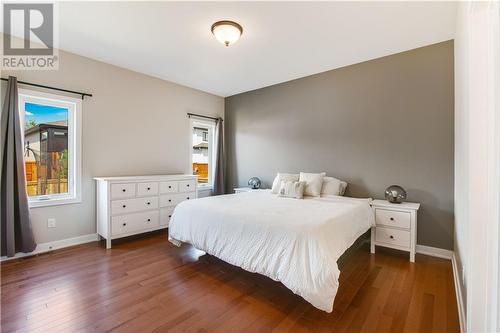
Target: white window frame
(74, 106)
(210, 124)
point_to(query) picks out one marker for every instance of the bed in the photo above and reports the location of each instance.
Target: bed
(294, 241)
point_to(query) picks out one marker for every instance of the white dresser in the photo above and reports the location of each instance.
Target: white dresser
(396, 226)
(131, 205)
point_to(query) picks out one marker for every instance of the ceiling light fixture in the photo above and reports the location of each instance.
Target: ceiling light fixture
(227, 32)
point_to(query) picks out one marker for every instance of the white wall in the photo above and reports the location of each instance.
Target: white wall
(134, 124)
(477, 162)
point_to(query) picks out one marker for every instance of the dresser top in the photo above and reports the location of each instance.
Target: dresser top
(403, 205)
(146, 177)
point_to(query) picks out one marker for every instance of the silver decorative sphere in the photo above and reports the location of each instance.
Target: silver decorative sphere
(395, 194)
(254, 183)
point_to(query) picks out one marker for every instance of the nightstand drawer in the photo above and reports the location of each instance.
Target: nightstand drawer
(392, 236)
(392, 218)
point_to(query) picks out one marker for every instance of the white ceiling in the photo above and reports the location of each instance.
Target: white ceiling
(281, 40)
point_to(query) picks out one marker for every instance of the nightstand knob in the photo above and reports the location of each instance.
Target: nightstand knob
(124, 206)
(124, 190)
(392, 237)
(149, 220)
(392, 219)
(169, 216)
(124, 224)
(169, 200)
(149, 203)
(187, 185)
(149, 188)
(169, 186)
(187, 198)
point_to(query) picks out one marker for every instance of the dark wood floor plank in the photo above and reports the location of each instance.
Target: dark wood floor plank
(148, 285)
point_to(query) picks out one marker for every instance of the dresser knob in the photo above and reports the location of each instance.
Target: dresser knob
(169, 186)
(187, 185)
(124, 224)
(169, 216)
(169, 200)
(149, 220)
(149, 188)
(188, 198)
(124, 190)
(124, 206)
(391, 236)
(392, 219)
(149, 203)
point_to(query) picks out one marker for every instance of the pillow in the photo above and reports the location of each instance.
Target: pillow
(343, 187)
(283, 177)
(292, 189)
(331, 186)
(314, 182)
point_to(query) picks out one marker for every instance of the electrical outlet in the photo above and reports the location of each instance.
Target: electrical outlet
(51, 223)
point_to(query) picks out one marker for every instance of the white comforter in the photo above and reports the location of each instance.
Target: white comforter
(297, 242)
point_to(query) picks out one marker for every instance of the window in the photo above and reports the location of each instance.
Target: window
(52, 147)
(202, 151)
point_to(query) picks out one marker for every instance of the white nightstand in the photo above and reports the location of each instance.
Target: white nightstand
(396, 226)
(244, 189)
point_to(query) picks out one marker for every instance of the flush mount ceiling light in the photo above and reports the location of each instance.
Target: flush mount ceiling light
(227, 32)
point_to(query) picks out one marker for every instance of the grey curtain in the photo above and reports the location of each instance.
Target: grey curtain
(17, 234)
(219, 185)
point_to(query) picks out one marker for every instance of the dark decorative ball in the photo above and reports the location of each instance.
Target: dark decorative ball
(254, 183)
(395, 194)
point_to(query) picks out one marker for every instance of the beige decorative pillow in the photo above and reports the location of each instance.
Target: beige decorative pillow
(292, 189)
(331, 186)
(283, 177)
(343, 187)
(314, 182)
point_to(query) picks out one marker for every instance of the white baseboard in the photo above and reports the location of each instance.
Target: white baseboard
(434, 251)
(458, 291)
(50, 246)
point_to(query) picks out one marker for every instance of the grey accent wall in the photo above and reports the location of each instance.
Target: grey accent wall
(381, 122)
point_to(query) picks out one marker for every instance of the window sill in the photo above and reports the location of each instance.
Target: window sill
(205, 187)
(53, 202)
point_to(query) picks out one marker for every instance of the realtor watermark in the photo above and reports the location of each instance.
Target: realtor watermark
(29, 36)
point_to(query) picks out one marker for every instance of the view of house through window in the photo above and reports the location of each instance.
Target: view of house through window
(46, 149)
(202, 151)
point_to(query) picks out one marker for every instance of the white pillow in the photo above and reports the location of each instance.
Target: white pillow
(343, 187)
(333, 186)
(291, 189)
(283, 177)
(314, 182)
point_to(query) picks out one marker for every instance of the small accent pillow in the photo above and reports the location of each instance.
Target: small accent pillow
(283, 177)
(331, 186)
(292, 189)
(314, 182)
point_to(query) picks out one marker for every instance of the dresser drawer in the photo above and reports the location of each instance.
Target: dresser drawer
(392, 218)
(134, 222)
(393, 236)
(144, 189)
(121, 191)
(165, 215)
(187, 185)
(169, 187)
(171, 200)
(133, 205)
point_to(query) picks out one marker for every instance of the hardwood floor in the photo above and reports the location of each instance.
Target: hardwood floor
(147, 285)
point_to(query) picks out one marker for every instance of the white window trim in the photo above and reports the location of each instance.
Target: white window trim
(211, 153)
(74, 106)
